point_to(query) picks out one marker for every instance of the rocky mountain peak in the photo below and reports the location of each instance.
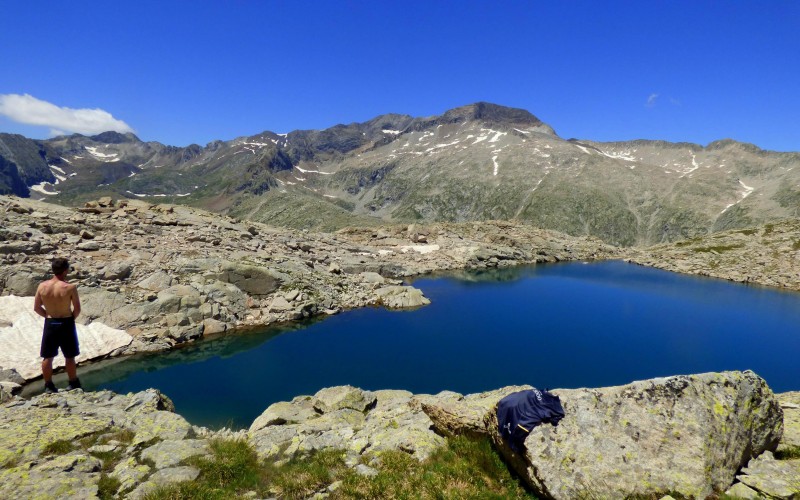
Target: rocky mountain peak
(488, 112)
(485, 113)
(112, 137)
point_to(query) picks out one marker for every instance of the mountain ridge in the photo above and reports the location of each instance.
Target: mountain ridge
(476, 162)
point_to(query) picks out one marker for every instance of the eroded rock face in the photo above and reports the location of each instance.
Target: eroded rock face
(684, 434)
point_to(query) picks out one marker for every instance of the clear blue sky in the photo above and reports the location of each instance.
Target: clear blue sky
(184, 72)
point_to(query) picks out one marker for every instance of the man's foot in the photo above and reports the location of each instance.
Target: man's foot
(50, 388)
(74, 384)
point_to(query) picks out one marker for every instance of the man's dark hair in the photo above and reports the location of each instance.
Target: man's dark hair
(60, 265)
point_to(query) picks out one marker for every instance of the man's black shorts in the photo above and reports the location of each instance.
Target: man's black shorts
(59, 333)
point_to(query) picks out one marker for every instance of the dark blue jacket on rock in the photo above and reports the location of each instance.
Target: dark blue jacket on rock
(520, 412)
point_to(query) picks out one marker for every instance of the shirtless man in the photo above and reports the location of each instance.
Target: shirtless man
(58, 303)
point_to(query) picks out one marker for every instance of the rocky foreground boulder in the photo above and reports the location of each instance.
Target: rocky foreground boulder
(692, 436)
(684, 434)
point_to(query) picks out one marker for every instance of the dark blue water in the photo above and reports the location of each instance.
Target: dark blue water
(552, 326)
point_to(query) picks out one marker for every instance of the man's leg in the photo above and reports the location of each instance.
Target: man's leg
(72, 373)
(47, 369)
(69, 365)
(47, 374)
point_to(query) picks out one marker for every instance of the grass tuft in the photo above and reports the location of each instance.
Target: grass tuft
(107, 486)
(788, 453)
(465, 468)
(302, 477)
(60, 447)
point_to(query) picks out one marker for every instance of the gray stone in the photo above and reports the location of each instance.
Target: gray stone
(212, 326)
(790, 403)
(283, 412)
(370, 277)
(279, 304)
(345, 396)
(175, 475)
(686, 434)
(164, 425)
(129, 472)
(156, 282)
(103, 448)
(772, 478)
(742, 491)
(365, 470)
(401, 297)
(117, 271)
(251, 279)
(88, 246)
(23, 282)
(172, 452)
(11, 375)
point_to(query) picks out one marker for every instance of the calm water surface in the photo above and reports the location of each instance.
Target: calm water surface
(551, 326)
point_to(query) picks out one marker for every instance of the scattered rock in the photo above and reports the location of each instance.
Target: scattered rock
(401, 297)
(772, 478)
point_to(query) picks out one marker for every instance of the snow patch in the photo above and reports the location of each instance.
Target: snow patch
(392, 132)
(108, 158)
(496, 166)
(421, 249)
(57, 169)
(42, 188)
(625, 155)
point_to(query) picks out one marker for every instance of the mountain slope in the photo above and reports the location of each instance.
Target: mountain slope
(475, 162)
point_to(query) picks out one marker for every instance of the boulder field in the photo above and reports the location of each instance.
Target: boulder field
(167, 275)
(692, 436)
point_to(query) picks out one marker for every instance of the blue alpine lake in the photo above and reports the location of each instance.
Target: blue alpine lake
(551, 326)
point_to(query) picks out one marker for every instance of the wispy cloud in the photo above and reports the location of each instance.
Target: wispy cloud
(32, 111)
(651, 101)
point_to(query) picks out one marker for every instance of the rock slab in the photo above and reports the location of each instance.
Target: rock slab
(683, 434)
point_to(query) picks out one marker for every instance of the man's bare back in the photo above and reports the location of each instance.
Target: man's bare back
(56, 298)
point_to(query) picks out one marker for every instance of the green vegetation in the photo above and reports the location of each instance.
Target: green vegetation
(10, 462)
(789, 453)
(60, 447)
(748, 232)
(718, 249)
(107, 486)
(796, 245)
(465, 468)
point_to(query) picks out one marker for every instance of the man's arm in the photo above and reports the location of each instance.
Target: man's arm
(76, 302)
(37, 304)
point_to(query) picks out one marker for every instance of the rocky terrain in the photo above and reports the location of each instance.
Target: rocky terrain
(477, 162)
(766, 255)
(172, 274)
(688, 435)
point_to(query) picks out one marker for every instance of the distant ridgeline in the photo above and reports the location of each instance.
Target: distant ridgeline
(476, 162)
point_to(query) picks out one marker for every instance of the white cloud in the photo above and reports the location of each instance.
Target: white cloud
(651, 101)
(32, 111)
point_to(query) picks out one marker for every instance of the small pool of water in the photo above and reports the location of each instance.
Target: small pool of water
(551, 326)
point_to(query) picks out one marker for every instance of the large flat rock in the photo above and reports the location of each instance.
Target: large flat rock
(686, 434)
(20, 342)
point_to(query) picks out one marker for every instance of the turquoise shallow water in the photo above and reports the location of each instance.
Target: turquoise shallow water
(551, 326)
